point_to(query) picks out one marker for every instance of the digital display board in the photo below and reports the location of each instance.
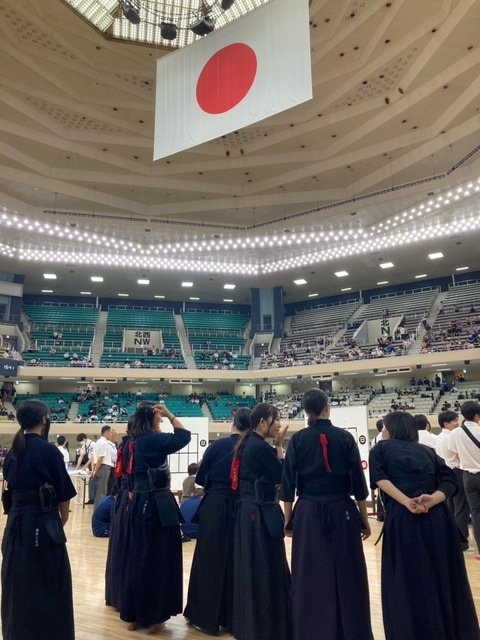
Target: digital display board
(8, 367)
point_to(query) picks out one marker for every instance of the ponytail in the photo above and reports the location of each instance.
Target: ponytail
(18, 445)
(314, 402)
(30, 413)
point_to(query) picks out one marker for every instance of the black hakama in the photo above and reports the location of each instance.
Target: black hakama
(119, 539)
(425, 589)
(36, 578)
(210, 589)
(262, 605)
(154, 583)
(330, 596)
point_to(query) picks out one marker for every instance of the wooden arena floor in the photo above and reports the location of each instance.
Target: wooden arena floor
(95, 621)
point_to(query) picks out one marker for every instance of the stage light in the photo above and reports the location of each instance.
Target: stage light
(226, 4)
(131, 10)
(203, 26)
(168, 30)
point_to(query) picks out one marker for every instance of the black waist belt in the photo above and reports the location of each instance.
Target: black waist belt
(25, 498)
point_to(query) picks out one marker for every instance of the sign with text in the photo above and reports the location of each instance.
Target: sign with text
(139, 339)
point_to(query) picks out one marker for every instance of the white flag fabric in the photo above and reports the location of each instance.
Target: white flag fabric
(255, 67)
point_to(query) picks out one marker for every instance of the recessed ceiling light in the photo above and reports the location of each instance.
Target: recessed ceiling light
(194, 298)
(436, 255)
(227, 300)
(187, 284)
(143, 281)
(85, 293)
(386, 265)
(229, 286)
(47, 290)
(122, 295)
(462, 268)
(341, 274)
(383, 282)
(159, 297)
(49, 276)
(312, 295)
(421, 275)
(346, 289)
(96, 279)
(300, 281)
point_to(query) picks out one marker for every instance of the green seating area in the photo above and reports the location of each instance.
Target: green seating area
(180, 406)
(60, 335)
(214, 331)
(223, 406)
(59, 403)
(166, 357)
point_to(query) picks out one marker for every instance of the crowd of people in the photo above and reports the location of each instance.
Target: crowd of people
(240, 579)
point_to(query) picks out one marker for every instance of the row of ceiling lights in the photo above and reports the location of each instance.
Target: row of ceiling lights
(350, 242)
(141, 281)
(275, 240)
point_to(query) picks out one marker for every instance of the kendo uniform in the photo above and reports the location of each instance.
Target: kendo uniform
(330, 595)
(119, 536)
(154, 566)
(210, 589)
(36, 577)
(262, 605)
(425, 589)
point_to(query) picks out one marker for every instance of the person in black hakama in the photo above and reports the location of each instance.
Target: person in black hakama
(210, 590)
(154, 566)
(329, 574)
(262, 607)
(425, 589)
(119, 530)
(36, 577)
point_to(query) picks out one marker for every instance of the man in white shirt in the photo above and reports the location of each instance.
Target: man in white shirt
(112, 443)
(61, 440)
(102, 463)
(425, 436)
(468, 454)
(449, 421)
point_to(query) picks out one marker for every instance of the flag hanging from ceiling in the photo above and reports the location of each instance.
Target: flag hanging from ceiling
(255, 67)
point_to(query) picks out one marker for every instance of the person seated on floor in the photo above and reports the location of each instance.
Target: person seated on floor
(188, 509)
(189, 488)
(102, 515)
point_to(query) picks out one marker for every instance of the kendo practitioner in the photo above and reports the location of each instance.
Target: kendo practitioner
(36, 577)
(329, 574)
(425, 589)
(154, 579)
(262, 604)
(210, 589)
(119, 529)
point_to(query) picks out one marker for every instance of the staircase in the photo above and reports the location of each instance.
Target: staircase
(73, 411)
(97, 345)
(206, 412)
(184, 342)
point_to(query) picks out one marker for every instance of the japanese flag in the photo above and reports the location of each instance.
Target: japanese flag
(255, 67)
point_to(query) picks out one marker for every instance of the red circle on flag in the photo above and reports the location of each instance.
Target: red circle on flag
(364, 464)
(226, 78)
